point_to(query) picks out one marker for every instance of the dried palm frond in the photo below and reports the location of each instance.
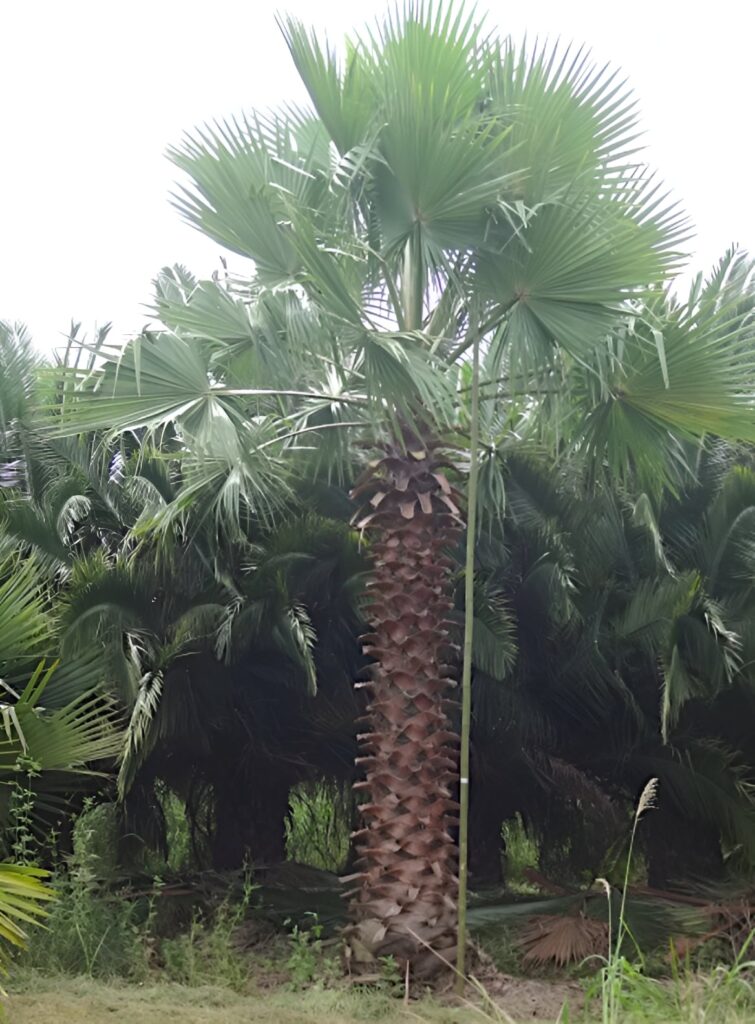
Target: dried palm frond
(553, 938)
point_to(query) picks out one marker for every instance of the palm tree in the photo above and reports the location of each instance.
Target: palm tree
(207, 644)
(239, 673)
(55, 726)
(444, 188)
(57, 721)
(45, 753)
(629, 656)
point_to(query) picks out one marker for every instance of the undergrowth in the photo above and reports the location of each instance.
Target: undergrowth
(97, 932)
(319, 824)
(92, 931)
(211, 951)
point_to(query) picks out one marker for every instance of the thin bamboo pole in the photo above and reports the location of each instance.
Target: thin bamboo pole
(466, 674)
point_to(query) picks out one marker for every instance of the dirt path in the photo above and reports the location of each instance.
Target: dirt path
(80, 1001)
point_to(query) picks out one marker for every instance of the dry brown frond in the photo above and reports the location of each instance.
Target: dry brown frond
(553, 938)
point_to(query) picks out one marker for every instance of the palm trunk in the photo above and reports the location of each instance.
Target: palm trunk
(250, 821)
(485, 841)
(404, 903)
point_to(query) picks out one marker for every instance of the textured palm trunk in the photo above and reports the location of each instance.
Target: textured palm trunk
(404, 901)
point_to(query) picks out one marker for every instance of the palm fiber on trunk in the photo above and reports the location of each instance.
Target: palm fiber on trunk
(404, 901)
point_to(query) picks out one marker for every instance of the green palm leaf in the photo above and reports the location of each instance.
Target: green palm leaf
(63, 739)
(22, 898)
(24, 626)
(671, 374)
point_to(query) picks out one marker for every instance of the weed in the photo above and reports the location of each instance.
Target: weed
(88, 934)
(521, 853)
(392, 981)
(307, 962)
(714, 995)
(209, 952)
(501, 945)
(21, 816)
(89, 931)
(319, 824)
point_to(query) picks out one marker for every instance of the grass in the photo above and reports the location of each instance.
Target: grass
(105, 957)
(623, 992)
(102, 958)
(318, 826)
(47, 1000)
(39, 999)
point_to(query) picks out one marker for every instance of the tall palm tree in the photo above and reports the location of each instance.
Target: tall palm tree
(444, 187)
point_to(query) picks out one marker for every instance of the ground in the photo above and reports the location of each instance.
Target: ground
(723, 996)
(81, 1001)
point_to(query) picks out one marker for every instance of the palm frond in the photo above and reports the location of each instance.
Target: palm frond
(24, 625)
(495, 633)
(566, 276)
(141, 730)
(64, 739)
(18, 369)
(709, 783)
(240, 171)
(300, 639)
(670, 375)
(563, 940)
(23, 895)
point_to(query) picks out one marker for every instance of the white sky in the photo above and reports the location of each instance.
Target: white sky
(92, 92)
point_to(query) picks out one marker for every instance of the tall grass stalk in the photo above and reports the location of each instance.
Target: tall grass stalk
(617, 970)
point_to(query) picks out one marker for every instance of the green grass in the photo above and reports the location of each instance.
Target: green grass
(104, 957)
(39, 999)
(84, 1001)
(318, 826)
(46, 1000)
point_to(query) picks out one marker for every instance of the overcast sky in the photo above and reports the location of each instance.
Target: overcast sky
(93, 91)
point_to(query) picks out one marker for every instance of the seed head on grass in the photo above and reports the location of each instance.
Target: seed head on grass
(647, 801)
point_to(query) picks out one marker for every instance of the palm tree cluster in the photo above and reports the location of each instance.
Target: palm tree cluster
(61, 728)
(260, 499)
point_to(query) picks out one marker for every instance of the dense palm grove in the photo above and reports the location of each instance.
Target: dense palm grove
(221, 527)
